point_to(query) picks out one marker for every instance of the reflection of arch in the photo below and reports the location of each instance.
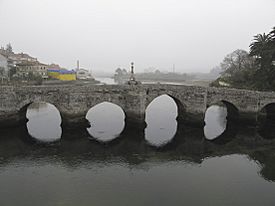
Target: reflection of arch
(161, 119)
(181, 108)
(232, 110)
(37, 114)
(95, 124)
(231, 127)
(266, 158)
(228, 135)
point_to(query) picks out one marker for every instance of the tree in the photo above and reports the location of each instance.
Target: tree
(124, 72)
(236, 61)
(118, 72)
(253, 71)
(121, 75)
(157, 71)
(272, 36)
(9, 48)
(261, 48)
(238, 69)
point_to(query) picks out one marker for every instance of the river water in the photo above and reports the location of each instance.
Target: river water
(112, 163)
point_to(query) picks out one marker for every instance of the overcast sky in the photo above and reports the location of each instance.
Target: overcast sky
(194, 35)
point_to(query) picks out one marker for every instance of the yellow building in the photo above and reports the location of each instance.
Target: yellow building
(53, 73)
(62, 74)
(67, 77)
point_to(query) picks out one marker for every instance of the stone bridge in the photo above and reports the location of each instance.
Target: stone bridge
(74, 101)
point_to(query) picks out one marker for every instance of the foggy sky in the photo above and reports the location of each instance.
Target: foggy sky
(195, 35)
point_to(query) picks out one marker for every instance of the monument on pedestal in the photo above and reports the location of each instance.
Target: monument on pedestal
(132, 80)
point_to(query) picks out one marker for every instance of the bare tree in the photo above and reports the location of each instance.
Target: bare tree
(236, 61)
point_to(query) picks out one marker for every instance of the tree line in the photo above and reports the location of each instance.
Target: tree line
(122, 75)
(251, 70)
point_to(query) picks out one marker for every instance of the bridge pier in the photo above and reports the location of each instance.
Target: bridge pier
(191, 119)
(137, 119)
(247, 118)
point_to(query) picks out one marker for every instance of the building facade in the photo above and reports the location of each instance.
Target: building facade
(62, 74)
(27, 68)
(84, 74)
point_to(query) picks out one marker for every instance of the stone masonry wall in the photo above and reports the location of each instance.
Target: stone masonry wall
(74, 101)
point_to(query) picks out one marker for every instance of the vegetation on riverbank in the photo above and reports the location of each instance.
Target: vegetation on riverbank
(250, 70)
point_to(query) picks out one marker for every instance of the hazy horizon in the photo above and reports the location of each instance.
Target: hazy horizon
(103, 34)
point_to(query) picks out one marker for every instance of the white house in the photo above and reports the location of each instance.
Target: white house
(84, 74)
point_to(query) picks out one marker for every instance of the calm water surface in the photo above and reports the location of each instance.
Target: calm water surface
(138, 169)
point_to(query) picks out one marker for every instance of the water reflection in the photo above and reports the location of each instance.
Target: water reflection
(82, 171)
(129, 172)
(266, 121)
(266, 159)
(161, 121)
(44, 122)
(267, 129)
(215, 121)
(107, 121)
